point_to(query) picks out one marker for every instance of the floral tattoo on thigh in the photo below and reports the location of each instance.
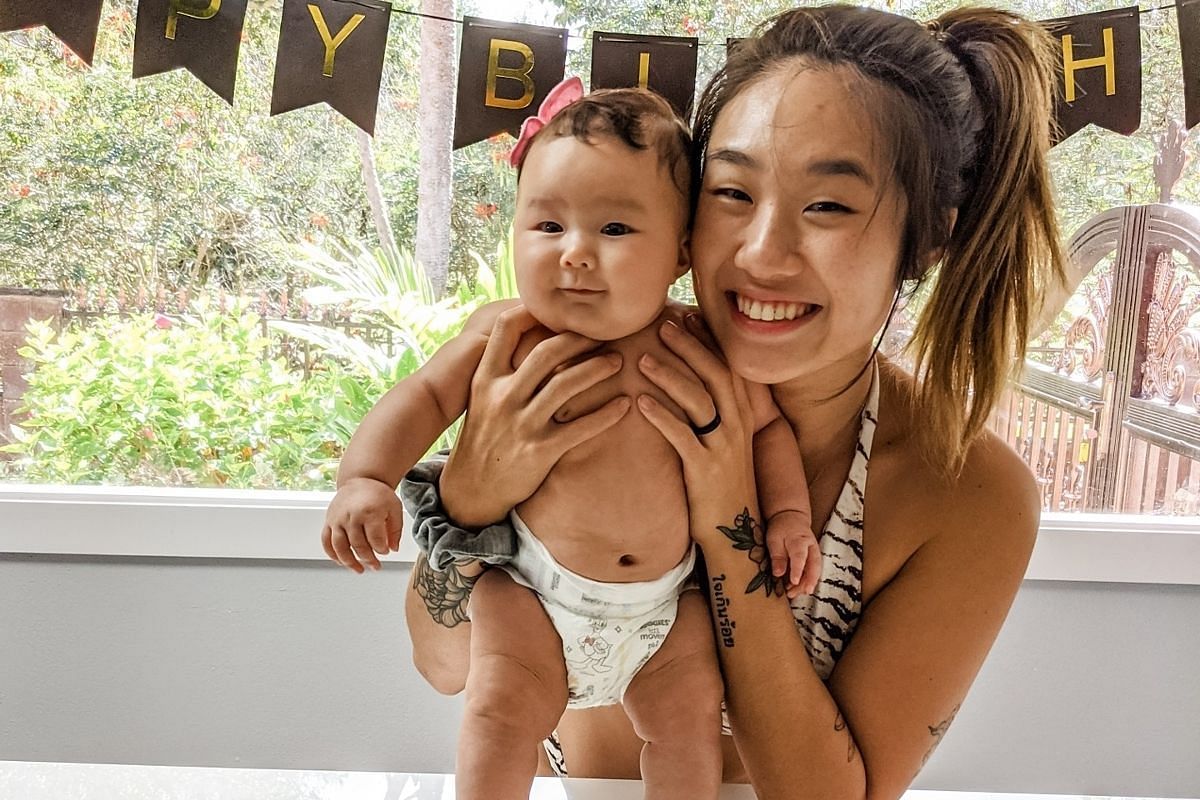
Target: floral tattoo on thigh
(445, 593)
(747, 534)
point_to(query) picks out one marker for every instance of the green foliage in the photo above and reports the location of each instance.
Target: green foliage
(495, 284)
(374, 284)
(115, 183)
(194, 402)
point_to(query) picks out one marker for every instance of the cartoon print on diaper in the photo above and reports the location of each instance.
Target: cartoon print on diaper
(590, 651)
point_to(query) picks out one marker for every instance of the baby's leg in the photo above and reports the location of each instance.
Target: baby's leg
(675, 705)
(516, 690)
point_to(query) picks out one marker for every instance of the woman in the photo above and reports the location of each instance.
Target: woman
(844, 154)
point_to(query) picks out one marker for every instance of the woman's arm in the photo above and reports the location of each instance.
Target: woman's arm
(922, 640)
(918, 645)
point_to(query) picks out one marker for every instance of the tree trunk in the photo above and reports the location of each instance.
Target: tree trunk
(436, 122)
(379, 212)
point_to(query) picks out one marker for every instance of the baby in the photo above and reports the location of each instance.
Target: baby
(601, 233)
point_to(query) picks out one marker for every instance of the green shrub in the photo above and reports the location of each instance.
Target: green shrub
(392, 286)
(147, 400)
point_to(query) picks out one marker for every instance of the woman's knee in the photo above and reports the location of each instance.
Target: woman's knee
(446, 676)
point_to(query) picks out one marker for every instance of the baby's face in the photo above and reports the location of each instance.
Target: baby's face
(600, 235)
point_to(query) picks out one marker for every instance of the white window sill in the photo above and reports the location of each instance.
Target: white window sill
(213, 523)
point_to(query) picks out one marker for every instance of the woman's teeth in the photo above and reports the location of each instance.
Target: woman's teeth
(769, 312)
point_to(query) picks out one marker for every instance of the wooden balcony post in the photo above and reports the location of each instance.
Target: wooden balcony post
(1122, 365)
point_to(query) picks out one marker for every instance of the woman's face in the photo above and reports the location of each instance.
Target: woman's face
(798, 228)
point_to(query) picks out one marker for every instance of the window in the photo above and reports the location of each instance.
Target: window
(221, 304)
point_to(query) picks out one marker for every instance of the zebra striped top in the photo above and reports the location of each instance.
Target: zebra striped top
(827, 618)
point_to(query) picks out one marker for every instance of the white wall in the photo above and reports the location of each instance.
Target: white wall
(1092, 688)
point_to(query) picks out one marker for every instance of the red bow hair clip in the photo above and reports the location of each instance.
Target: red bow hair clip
(561, 96)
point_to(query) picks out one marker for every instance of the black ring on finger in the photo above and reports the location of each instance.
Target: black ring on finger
(701, 430)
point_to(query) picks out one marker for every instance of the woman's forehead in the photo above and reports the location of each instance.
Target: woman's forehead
(795, 116)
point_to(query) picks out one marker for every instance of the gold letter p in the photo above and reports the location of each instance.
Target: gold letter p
(196, 9)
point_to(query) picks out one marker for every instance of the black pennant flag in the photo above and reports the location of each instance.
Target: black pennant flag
(666, 64)
(331, 51)
(1189, 50)
(1102, 71)
(201, 36)
(505, 70)
(76, 22)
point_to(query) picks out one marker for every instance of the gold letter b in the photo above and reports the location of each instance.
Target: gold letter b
(521, 73)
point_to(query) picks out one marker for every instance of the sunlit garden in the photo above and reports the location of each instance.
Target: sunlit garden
(231, 301)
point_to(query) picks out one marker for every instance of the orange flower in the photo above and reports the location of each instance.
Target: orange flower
(486, 210)
(318, 220)
(69, 56)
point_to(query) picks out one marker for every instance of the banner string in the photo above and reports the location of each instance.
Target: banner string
(423, 15)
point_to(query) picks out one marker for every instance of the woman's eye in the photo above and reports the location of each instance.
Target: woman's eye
(827, 207)
(732, 194)
(616, 229)
(549, 227)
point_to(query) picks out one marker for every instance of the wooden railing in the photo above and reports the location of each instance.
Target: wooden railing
(1106, 411)
(85, 306)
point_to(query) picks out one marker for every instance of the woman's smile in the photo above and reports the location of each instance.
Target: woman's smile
(769, 317)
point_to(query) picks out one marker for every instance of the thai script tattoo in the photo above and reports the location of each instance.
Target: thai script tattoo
(721, 605)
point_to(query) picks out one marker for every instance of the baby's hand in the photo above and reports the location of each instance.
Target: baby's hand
(365, 517)
(794, 552)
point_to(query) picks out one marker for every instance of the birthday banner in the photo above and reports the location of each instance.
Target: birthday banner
(332, 51)
(504, 68)
(665, 64)
(76, 22)
(1102, 71)
(201, 36)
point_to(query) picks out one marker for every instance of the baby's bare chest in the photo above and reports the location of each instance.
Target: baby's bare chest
(630, 381)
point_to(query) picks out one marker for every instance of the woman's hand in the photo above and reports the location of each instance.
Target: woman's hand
(718, 462)
(510, 440)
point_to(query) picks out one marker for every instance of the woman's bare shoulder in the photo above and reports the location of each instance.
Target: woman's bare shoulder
(993, 499)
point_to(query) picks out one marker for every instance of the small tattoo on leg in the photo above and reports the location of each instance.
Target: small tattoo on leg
(938, 731)
(445, 593)
(746, 534)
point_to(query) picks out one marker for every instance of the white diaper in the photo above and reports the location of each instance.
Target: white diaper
(609, 630)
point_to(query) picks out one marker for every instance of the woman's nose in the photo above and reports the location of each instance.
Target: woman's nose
(770, 245)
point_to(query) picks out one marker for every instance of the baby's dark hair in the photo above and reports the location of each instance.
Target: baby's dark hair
(638, 117)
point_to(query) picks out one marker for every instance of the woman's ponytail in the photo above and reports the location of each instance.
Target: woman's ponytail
(1004, 249)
